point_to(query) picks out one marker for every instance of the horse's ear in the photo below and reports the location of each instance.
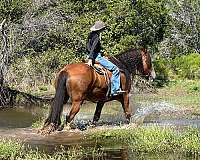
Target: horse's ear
(144, 51)
(146, 55)
(83, 60)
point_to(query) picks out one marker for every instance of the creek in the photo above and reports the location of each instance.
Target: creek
(17, 123)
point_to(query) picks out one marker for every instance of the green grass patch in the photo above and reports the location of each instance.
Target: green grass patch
(181, 93)
(39, 123)
(151, 139)
(9, 148)
(185, 86)
(13, 149)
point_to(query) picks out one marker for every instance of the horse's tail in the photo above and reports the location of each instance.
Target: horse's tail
(61, 97)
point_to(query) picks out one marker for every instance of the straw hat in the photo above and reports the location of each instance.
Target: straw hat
(98, 26)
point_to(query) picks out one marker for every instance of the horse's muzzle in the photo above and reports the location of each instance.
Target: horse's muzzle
(152, 75)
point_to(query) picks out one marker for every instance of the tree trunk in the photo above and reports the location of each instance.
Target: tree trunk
(4, 53)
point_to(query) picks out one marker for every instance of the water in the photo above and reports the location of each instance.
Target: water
(21, 117)
(16, 123)
(159, 110)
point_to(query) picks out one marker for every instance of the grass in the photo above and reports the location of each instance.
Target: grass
(151, 139)
(183, 94)
(13, 149)
(9, 148)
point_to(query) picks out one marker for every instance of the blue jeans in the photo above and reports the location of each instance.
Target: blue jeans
(115, 79)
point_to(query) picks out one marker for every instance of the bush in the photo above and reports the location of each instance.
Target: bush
(163, 71)
(187, 66)
(13, 10)
(36, 70)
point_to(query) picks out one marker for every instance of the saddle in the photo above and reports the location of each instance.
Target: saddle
(102, 71)
(105, 72)
(98, 68)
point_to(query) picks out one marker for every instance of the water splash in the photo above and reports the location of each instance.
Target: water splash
(155, 108)
(145, 113)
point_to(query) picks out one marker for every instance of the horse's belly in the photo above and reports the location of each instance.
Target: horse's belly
(97, 95)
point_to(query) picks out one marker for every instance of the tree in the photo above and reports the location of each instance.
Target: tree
(4, 53)
(45, 35)
(183, 31)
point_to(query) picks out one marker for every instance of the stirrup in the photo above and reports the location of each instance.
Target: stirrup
(121, 91)
(118, 92)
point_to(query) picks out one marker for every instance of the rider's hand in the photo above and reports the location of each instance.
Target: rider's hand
(89, 62)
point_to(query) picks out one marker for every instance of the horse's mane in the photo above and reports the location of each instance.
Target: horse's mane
(127, 61)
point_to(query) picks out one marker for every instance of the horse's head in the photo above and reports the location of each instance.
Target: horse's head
(146, 67)
(135, 60)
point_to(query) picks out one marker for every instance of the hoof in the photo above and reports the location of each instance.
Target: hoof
(72, 125)
(47, 129)
(60, 128)
(67, 127)
(93, 124)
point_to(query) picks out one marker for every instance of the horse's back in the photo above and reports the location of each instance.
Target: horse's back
(78, 72)
(77, 68)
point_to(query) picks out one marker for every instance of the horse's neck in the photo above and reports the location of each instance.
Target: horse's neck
(118, 63)
(129, 60)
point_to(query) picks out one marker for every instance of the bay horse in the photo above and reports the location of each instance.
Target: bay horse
(81, 82)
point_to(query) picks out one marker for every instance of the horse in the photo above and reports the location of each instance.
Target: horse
(81, 82)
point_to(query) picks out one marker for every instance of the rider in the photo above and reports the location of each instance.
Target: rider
(94, 49)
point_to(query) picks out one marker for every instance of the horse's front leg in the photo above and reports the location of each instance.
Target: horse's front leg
(125, 104)
(97, 113)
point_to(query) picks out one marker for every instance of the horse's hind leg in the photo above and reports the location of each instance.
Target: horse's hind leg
(74, 110)
(97, 113)
(125, 104)
(61, 127)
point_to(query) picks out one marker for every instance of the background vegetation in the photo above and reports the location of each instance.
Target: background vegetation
(45, 35)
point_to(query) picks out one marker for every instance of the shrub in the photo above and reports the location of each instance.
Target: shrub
(187, 66)
(163, 71)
